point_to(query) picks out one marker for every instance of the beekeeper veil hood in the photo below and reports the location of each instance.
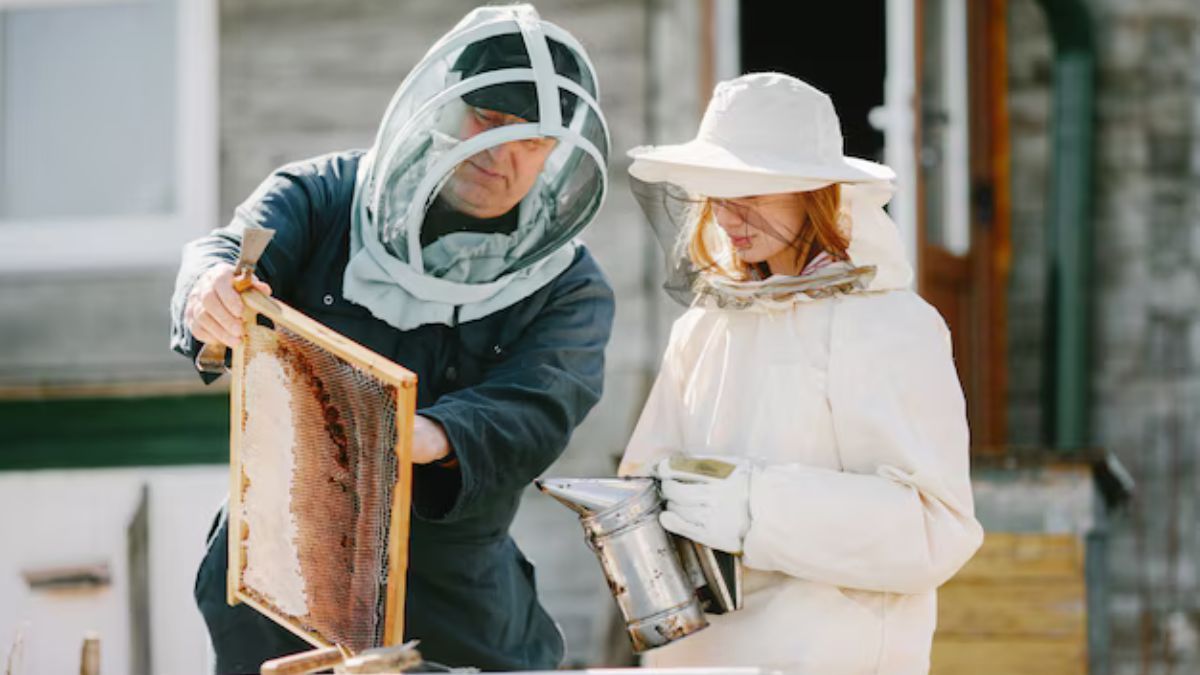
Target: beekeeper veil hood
(767, 134)
(489, 161)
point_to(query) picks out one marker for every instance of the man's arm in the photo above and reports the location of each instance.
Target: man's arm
(289, 201)
(507, 429)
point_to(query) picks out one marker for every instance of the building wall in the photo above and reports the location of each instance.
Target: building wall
(1145, 384)
(88, 328)
(74, 518)
(106, 118)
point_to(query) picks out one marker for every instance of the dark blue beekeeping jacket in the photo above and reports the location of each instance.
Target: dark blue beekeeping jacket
(508, 389)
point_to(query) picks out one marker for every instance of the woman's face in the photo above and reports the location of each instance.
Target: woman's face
(763, 228)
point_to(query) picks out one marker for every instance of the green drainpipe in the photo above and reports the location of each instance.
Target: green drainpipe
(1069, 252)
(1069, 231)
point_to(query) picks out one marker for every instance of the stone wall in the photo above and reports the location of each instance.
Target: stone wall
(1145, 385)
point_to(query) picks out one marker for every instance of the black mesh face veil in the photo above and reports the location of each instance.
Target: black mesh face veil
(675, 215)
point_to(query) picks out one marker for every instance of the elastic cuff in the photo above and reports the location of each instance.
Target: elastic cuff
(453, 474)
(752, 555)
(450, 461)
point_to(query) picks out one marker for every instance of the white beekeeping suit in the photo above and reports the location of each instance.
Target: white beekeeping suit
(842, 406)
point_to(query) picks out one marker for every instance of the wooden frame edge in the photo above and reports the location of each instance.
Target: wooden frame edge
(234, 525)
(398, 537)
(329, 339)
(311, 638)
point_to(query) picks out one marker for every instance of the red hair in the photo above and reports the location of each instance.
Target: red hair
(820, 232)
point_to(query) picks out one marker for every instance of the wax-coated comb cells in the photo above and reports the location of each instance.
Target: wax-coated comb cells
(490, 159)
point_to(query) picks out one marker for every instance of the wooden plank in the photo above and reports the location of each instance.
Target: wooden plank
(137, 542)
(377, 365)
(1019, 606)
(235, 527)
(1034, 609)
(1008, 556)
(287, 622)
(1008, 657)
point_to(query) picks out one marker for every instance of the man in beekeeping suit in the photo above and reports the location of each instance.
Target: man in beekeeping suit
(449, 247)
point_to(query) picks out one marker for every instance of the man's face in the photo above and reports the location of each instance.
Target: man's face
(492, 182)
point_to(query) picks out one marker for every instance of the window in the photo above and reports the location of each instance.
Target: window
(107, 131)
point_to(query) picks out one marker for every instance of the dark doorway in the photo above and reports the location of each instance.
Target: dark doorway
(838, 47)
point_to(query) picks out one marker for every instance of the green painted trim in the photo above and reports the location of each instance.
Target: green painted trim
(1067, 357)
(114, 432)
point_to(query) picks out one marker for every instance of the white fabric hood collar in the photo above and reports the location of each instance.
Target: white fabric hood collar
(503, 59)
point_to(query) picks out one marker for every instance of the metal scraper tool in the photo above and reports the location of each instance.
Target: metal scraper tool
(211, 358)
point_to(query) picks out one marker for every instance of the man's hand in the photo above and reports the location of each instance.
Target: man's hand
(429, 442)
(214, 308)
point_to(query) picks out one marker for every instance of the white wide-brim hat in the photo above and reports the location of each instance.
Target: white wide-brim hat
(762, 133)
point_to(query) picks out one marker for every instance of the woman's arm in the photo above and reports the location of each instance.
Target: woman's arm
(899, 517)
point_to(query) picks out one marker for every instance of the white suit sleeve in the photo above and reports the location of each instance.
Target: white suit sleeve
(657, 434)
(899, 516)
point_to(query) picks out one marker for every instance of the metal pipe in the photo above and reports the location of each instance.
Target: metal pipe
(1069, 231)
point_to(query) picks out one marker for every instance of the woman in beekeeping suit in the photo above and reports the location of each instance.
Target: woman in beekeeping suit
(808, 363)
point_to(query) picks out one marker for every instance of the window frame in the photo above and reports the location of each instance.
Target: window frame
(69, 244)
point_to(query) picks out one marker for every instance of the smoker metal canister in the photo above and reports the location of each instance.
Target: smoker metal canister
(641, 564)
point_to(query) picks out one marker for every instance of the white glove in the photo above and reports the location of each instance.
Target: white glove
(703, 507)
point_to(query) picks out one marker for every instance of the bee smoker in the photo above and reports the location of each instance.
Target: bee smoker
(657, 579)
